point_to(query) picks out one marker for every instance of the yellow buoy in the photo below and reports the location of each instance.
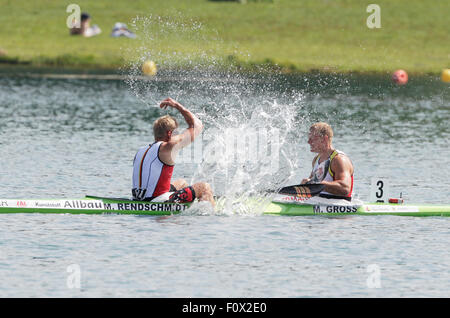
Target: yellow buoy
(445, 77)
(149, 68)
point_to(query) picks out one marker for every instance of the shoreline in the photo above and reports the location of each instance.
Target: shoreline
(117, 73)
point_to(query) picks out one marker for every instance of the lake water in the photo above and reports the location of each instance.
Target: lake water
(68, 137)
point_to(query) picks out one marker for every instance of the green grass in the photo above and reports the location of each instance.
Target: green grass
(326, 35)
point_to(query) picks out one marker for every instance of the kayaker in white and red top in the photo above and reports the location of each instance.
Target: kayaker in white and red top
(153, 164)
(330, 167)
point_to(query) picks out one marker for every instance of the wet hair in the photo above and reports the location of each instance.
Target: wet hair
(162, 125)
(322, 129)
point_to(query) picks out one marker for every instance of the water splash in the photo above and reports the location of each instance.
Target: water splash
(248, 145)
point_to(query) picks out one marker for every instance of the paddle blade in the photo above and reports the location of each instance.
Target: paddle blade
(303, 190)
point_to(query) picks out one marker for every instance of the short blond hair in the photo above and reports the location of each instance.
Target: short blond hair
(164, 124)
(322, 129)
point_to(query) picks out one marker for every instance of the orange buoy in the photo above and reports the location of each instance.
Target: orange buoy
(445, 77)
(400, 77)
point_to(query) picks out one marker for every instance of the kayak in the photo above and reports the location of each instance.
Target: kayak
(91, 205)
(279, 206)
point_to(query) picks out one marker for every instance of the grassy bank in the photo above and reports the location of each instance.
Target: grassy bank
(295, 35)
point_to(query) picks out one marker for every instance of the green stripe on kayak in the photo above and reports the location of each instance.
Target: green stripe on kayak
(91, 206)
(99, 205)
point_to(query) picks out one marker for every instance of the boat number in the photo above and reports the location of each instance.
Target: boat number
(379, 193)
(379, 189)
(139, 193)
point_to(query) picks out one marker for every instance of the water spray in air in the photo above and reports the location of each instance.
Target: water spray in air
(248, 144)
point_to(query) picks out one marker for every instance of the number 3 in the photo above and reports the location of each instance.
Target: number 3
(379, 194)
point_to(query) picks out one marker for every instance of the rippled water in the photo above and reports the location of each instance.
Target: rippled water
(71, 137)
(211, 256)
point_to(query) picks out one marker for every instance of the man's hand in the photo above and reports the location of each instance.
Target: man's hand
(169, 102)
(195, 127)
(304, 181)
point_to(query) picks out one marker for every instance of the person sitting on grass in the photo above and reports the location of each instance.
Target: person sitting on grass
(120, 29)
(84, 28)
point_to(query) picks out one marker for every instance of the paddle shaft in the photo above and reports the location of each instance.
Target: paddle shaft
(303, 190)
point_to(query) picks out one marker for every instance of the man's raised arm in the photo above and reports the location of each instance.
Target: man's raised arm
(195, 126)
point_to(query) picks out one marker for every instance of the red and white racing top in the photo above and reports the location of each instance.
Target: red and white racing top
(151, 176)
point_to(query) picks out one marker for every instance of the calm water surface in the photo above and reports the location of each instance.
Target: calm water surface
(71, 137)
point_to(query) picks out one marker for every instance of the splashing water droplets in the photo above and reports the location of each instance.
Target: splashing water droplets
(246, 146)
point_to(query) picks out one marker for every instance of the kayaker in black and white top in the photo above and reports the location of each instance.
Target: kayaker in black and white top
(330, 167)
(153, 164)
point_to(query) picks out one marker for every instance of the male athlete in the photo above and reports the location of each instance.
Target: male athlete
(153, 164)
(330, 167)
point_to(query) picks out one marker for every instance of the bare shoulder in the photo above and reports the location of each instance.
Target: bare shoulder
(165, 152)
(342, 162)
